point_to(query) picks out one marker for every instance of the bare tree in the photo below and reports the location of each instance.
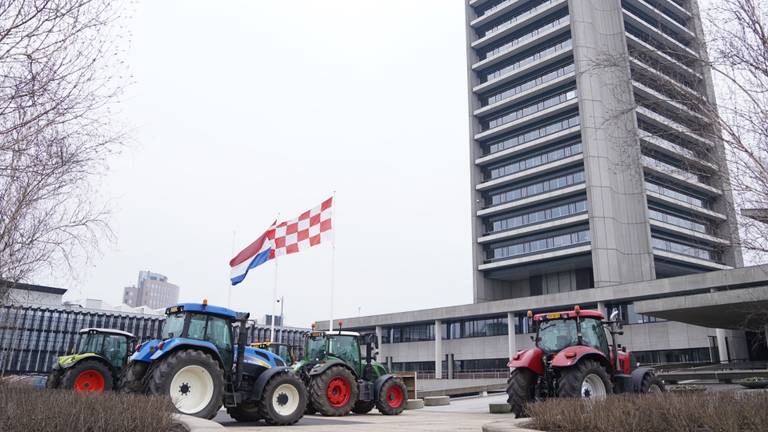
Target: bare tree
(59, 77)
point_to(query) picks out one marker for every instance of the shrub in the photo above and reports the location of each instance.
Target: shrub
(28, 409)
(669, 412)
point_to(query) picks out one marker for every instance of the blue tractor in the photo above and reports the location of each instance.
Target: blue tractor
(200, 368)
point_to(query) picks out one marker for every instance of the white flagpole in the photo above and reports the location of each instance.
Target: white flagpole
(229, 294)
(274, 293)
(333, 255)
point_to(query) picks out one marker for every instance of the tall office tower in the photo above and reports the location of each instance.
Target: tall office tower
(592, 163)
(152, 290)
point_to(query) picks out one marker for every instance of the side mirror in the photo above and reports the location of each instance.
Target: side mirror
(614, 315)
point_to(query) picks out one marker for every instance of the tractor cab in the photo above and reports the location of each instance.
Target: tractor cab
(113, 345)
(281, 350)
(342, 345)
(560, 330)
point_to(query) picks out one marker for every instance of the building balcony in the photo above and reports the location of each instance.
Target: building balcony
(525, 42)
(524, 121)
(665, 123)
(678, 175)
(543, 141)
(551, 225)
(665, 102)
(533, 200)
(519, 22)
(539, 170)
(662, 58)
(664, 79)
(527, 94)
(659, 36)
(551, 55)
(494, 12)
(676, 151)
(683, 205)
(689, 260)
(685, 232)
(537, 257)
(666, 18)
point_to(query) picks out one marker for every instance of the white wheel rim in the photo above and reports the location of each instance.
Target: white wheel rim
(191, 389)
(285, 399)
(593, 387)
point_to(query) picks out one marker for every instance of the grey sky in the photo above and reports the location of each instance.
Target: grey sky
(240, 112)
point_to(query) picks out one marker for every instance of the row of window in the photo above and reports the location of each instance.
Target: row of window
(682, 58)
(509, 67)
(533, 246)
(676, 194)
(511, 44)
(534, 161)
(477, 328)
(537, 188)
(533, 108)
(683, 355)
(491, 9)
(669, 140)
(627, 314)
(539, 80)
(533, 134)
(538, 216)
(661, 7)
(678, 221)
(663, 69)
(507, 23)
(685, 249)
(678, 124)
(657, 25)
(672, 169)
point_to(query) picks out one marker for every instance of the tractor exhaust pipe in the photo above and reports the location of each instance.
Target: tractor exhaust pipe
(242, 339)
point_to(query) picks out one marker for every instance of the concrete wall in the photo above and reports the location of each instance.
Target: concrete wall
(34, 298)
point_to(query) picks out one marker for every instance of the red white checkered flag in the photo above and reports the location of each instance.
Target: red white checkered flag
(309, 229)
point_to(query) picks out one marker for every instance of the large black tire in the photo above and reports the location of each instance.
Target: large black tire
(572, 378)
(54, 378)
(245, 412)
(99, 371)
(652, 384)
(283, 400)
(521, 390)
(363, 407)
(310, 410)
(318, 391)
(205, 367)
(132, 378)
(393, 397)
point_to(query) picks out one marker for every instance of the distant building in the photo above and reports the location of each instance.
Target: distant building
(152, 290)
(33, 295)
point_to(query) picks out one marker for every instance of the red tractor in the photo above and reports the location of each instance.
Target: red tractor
(572, 358)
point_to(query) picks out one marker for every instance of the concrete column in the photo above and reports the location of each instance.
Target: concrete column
(449, 362)
(379, 337)
(722, 346)
(601, 308)
(511, 339)
(438, 350)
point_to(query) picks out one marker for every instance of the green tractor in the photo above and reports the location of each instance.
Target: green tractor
(340, 381)
(279, 349)
(96, 366)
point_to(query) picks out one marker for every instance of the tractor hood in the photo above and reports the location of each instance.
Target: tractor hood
(156, 348)
(70, 360)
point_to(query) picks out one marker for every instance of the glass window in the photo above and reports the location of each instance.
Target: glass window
(593, 334)
(218, 332)
(556, 335)
(115, 349)
(346, 348)
(196, 328)
(174, 325)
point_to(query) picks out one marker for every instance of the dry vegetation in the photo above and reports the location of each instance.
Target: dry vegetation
(26, 409)
(703, 412)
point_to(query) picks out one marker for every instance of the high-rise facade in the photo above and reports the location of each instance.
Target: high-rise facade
(152, 290)
(592, 164)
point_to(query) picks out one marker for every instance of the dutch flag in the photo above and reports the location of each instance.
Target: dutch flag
(256, 254)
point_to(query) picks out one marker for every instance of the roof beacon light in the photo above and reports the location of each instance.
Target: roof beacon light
(205, 302)
(341, 324)
(530, 314)
(577, 308)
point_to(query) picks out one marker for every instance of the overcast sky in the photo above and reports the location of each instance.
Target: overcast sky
(242, 112)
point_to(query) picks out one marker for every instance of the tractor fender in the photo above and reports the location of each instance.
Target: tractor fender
(379, 383)
(322, 367)
(66, 362)
(637, 377)
(154, 350)
(573, 354)
(528, 359)
(261, 381)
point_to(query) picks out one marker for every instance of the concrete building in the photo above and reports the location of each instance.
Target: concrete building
(152, 290)
(590, 183)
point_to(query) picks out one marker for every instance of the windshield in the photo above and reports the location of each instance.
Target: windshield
(174, 326)
(556, 335)
(315, 347)
(91, 342)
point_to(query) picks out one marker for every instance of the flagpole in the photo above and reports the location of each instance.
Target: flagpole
(229, 294)
(274, 291)
(333, 255)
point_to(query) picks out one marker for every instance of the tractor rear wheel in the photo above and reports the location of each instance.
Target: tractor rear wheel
(652, 384)
(334, 391)
(363, 407)
(132, 377)
(521, 390)
(588, 379)
(192, 379)
(88, 376)
(245, 412)
(392, 397)
(283, 400)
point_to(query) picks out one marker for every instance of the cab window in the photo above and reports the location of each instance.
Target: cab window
(115, 349)
(218, 332)
(593, 334)
(346, 348)
(196, 329)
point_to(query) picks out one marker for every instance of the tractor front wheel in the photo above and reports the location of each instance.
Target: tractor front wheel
(652, 384)
(588, 379)
(192, 379)
(333, 392)
(392, 397)
(54, 379)
(132, 377)
(283, 400)
(88, 376)
(521, 390)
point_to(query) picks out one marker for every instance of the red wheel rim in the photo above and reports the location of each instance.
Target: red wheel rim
(395, 396)
(89, 381)
(338, 392)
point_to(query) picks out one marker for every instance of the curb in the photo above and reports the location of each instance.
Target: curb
(194, 424)
(512, 425)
